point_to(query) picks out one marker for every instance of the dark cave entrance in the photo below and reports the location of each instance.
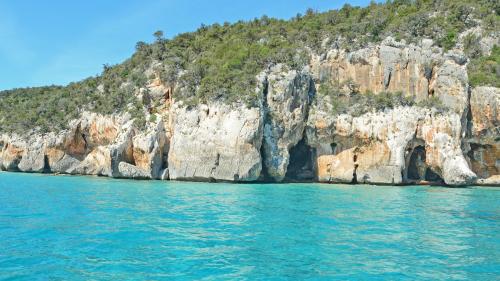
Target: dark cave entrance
(46, 165)
(355, 172)
(418, 170)
(301, 165)
(417, 166)
(431, 176)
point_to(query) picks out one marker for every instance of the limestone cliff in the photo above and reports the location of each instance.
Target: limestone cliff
(286, 99)
(406, 144)
(215, 142)
(95, 145)
(294, 133)
(416, 70)
(484, 135)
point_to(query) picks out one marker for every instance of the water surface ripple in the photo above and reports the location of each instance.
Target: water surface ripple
(85, 228)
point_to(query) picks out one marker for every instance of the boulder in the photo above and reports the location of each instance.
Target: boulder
(493, 181)
(127, 170)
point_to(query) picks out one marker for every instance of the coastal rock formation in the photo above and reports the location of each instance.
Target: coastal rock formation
(149, 150)
(94, 145)
(12, 153)
(127, 170)
(215, 142)
(286, 107)
(293, 132)
(379, 147)
(416, 70)
(484, 139)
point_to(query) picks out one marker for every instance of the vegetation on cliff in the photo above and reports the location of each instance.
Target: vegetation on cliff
(220, 62)
(357, 104)
(485, 70)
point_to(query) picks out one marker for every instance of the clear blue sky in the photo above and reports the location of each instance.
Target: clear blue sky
(56, 41)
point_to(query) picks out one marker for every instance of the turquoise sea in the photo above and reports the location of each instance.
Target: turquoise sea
(87, 228)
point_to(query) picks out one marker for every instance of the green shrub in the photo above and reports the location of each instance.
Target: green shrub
(448, 40)
(357, 104)
(485, 71)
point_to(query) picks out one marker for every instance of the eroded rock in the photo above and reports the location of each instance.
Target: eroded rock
(376, 147)
(127, 170)
(149, 149)
(286, 106)
(484, 141)
(216, 142)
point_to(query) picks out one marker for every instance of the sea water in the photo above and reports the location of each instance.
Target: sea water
(88, 228)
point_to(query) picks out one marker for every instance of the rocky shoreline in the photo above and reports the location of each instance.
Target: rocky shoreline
(294, 133)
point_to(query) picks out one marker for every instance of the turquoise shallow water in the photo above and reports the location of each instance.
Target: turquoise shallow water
(84, 228)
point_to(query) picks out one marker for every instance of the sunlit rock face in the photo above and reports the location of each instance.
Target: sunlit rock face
(94, 145)
(377, 147)
(286, 105)
(417, 70)
(215, 142)
(149, 150)
(292, 132)
(12, 152)
(484, 139)
(394, 146)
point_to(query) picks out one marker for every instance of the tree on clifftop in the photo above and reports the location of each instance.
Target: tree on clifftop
(158, 35)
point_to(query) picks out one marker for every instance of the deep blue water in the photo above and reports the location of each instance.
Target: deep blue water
(85, 228)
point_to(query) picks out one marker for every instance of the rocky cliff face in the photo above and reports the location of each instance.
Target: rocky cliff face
(96, 145)
(293, 134)
(286, 98)
(484, 135)
(215, 142)
(406, 144)
(419, 71)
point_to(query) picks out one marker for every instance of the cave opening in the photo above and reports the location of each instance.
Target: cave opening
(164, 155)
(301, 165)
(333, 147)
(417, 166)
(431, 176)
(418, 170)
(355, 174)
(46, 165)
(84, 138)
(355, 171)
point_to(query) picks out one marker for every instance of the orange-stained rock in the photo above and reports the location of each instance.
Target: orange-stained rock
(11, 156)
(97, 162)
(484, 142)
(415, 70)
(376, 147)
(336, 168)
(102, 134)
(149, 150)
(363, 164)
